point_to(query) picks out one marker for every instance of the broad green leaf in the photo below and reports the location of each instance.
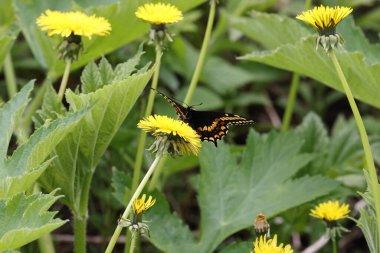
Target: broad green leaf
(121, 14)
(26, 218)
(79, 153)
(362, 69)
(19, 171)
(235, 187)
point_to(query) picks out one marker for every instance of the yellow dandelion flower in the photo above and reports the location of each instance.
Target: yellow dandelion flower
(263, 245)
(139, 206)
(172, 136)
(73, 23)
(325, 18)
(330, 211)
(159, 13)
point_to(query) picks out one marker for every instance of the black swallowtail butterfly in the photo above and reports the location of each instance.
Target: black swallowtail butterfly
(211, 126)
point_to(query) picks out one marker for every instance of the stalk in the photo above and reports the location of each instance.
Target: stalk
(289, 109)
(80, 216)
(65, 78)
(202, 54)
(334, 249)
(138, 191)
(374, 185)
(133, 242)
(287, 118)
(79, 234)
(10, 77)
(148, 111)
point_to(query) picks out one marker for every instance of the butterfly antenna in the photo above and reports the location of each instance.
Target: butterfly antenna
(176, 100)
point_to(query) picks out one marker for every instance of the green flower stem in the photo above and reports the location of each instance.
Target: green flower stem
(287, 118)
(45, 244)
(334, 249)
(308, 4)
(65, 78)
(138, 191)
(156, 175)
(374, 186)
(148, 111)
(202, 55)
(134, 239)
(10, 77)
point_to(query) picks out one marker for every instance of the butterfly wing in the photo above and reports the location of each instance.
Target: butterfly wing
(212, 126)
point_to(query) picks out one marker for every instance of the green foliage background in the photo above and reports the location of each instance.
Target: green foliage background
(81, 152)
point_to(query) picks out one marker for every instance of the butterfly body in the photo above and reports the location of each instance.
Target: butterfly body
(211, 126)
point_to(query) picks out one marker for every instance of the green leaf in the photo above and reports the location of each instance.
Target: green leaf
(300, 56)
(79, 153)
(19, 171)
(235, 187)
(367, 221)
(125, 69)
(10, 114)
(90, 78)
(26, 218)
(314, 134)
(120, 14)
(106, 71)
(51, 108)
(168, 231)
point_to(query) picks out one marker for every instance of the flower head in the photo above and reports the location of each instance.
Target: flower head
(325, 19)
(262, 245)
(159, 13)
(136, 224)
(139, 206)
(76, 23)
(330, 211)
(172, 136)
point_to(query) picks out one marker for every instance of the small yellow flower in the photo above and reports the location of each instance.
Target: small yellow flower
(330, 211)
(262, 245)
(172, 136)
(73, 23)
(139, 206)
(325, 18)
(159, 13)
